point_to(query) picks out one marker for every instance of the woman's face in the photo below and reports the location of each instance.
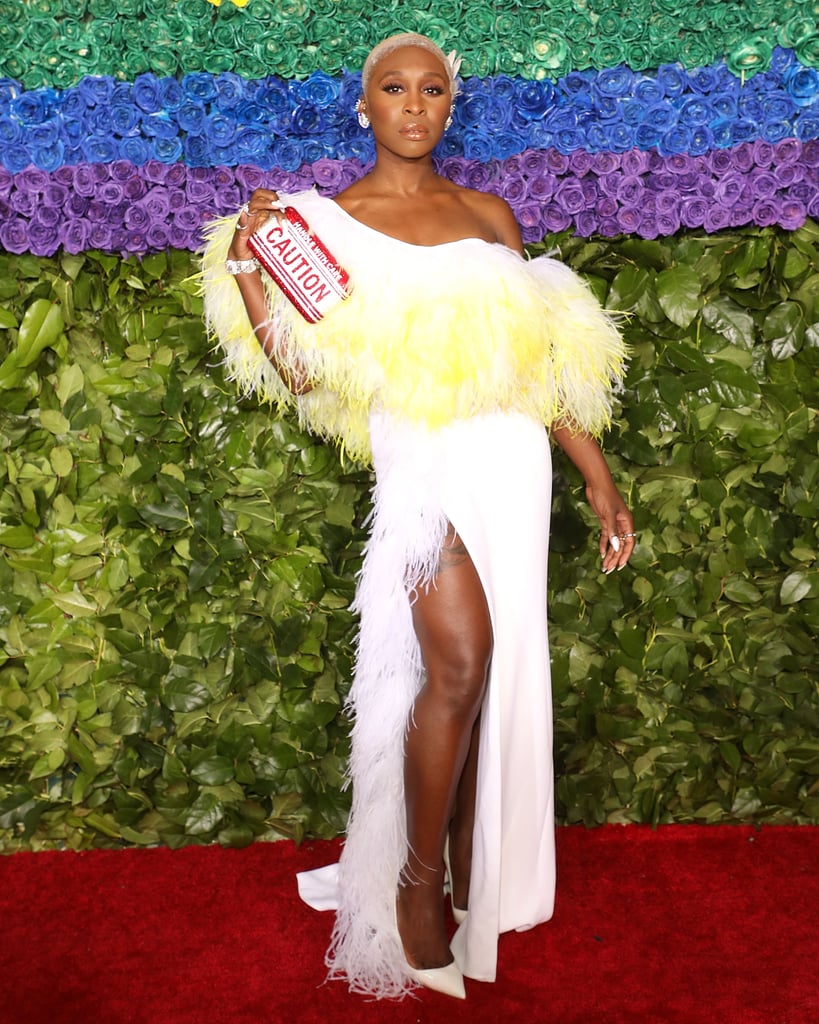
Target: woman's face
(408, 101)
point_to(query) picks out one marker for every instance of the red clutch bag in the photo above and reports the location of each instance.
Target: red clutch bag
(301, 265)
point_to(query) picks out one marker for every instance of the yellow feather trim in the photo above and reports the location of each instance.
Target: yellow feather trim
(430, 334)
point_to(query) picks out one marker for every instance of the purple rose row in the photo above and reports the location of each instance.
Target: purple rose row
(121, 207)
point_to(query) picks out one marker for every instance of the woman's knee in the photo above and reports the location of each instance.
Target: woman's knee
(458, 675)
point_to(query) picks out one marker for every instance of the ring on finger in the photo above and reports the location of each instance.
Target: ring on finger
(625, 536)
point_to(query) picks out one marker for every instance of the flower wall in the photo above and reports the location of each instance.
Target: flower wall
(138, 123)
(175, 569)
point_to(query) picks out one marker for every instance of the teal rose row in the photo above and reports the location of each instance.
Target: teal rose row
(57, 42)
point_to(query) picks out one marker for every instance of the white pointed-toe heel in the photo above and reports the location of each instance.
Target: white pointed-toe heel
(447, 980)
(458, 914)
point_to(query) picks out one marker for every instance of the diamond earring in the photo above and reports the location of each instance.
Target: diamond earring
(448, 123)
(363, 120)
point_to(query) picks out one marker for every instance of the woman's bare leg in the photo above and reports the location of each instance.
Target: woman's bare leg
(463, 822)
(454, 631)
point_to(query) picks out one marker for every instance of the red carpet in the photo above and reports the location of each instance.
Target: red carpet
(685, 925)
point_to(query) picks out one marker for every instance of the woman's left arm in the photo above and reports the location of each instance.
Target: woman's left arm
(617, 526)
(616, 522)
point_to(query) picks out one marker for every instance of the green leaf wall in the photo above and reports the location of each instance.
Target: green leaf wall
(177, 565)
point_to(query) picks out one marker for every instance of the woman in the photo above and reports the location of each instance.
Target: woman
(446, 364)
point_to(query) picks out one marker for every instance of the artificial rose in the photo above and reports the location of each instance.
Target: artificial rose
(250, 177)
(53, 195)
(134, 188)
(609, 184)
(607, 53)
(110, 192)
(287, 154)
(629, 219)
(513, 189)
(147, 93)
(807, 50)
(668, 222)
(534, 99)
(590, 190)
(581, 162)
(692, 212)
(190, 116)
(556, 163)
(135, 150)
(807, 127)
(44, 239)
(716, 218)
(629, 190)
(608, 226)
(743, 157)
(98, 236)
(478, 175)
(634, 162)
(555, 218)
(792, 214)
(766, 212)
(76, 205)
(73, 235)
(729, 188)
(24, 202)
(320, 89)
(649, 90)
(168, 150)
(618, 137)
(585, 223)
(606, 206)
(196, 151)
(751, 55)
(157, 236)
(542, 187)
(569, 197)
(549, 50)
(176, 199)
(13, 234)
(312, 150)
(787, 151)
(614, 82)
(787, 174)
(477, 145)
(605, 163)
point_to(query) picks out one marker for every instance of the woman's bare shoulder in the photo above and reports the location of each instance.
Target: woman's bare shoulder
(496, 214)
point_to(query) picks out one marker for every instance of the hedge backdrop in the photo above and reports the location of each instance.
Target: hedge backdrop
(176, 566)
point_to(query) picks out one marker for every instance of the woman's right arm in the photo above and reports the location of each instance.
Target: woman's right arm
(263, 205)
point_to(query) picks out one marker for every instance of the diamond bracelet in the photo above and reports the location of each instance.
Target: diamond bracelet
(241, 266)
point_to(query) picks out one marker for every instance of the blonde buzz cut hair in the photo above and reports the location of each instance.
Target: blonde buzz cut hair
(451, 61)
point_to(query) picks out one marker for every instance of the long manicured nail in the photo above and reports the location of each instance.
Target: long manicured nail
(615, 542)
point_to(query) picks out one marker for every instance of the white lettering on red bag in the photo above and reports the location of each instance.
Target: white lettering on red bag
(301, 265)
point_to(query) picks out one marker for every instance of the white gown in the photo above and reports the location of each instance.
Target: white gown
(443, 367)
(490, 477)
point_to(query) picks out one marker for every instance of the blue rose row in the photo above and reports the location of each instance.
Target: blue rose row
(122, 208)
(213, 120)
